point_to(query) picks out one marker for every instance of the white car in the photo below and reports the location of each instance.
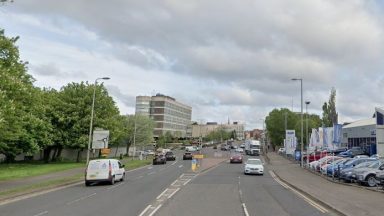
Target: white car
(253, 166)
(281, 150)
(239, 150)
(104, 170)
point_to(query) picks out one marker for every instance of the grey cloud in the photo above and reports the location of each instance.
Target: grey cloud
(128, 100)
(53, 70)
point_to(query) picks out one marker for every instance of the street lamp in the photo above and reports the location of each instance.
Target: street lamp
(302, 128)
(92, 110)
(306, 110)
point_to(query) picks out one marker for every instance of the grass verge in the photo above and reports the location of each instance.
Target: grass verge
(133, 164)
(21, 170)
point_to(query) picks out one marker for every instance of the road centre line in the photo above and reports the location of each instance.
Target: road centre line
(181, 165)
(307, 199)
(155, 210)
(41, 213)
(173, 163)
(81, 198)
(145, 210)
(245, 209)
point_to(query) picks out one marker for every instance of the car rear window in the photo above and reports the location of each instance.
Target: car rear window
(97, 165)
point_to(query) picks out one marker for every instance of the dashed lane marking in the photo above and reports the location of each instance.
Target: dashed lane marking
(173, 163)
(245, 209)
(41, 213)
(81, 198)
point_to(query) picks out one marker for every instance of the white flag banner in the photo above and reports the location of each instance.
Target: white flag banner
(290, 140)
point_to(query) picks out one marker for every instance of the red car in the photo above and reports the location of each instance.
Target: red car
(314, 156)
(236, 158)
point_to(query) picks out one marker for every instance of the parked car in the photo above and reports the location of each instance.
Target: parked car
(349, 175)
(187, 156)
(332, 160)
(380, 177)
(333, 168)
(225, 147)
(367, 175)
(242, 145)
(104, 170)
(253, 166)
(315, 156)
(352, 152)
(281, 150)
(159, 159)
(236, 158)
(169, 156)
(354, 162)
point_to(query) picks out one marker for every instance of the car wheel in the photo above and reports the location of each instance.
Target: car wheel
(87, 183)
(123, 178)
(112, 182)
(371, 181)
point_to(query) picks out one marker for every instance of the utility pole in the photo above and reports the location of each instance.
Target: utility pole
(307, 140)
(302, 124)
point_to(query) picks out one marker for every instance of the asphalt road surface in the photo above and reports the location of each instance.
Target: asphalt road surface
(225, 190)
(172, 190)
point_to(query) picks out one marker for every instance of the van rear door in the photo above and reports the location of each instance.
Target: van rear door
(98, 170)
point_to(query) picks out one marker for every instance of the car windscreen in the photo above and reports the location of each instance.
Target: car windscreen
(254, 162)
(364, 164)
(97, 165)
(374, 165)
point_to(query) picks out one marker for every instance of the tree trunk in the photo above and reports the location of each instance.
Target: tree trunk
(60, 149)
(78, 156)
(54, 154)
(9, 158)
(117, 149)
(128, 145)
(47, 152)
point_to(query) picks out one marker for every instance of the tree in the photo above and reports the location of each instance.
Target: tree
(330, 116)
(17, 102)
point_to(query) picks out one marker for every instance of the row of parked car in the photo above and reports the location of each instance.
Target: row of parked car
(361, 169)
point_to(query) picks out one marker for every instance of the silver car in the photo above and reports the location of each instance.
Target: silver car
(367, 175)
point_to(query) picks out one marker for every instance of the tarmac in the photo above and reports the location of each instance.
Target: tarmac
(343, 199)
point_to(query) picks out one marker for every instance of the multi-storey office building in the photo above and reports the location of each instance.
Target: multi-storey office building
(168, 114)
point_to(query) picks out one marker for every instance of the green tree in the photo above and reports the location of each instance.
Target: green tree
(330, 116)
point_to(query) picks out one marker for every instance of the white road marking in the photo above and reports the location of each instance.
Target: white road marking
(41, 213)
(173, 193)
(245, 209)
(162, 193)
(307, 199)
(186, 182)
(174, 182)
(81, 198)
(116, 185)
(181, 165)
(137, 169)
(151, 167)
(155, 210)
(145, 210)
(151, 173)
(174, 163)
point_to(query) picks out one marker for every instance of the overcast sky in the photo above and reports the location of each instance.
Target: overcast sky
(224, 58)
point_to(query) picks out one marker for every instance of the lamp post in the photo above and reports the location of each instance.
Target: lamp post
(134, 139)
(302, 128)
(306, 133)
(92, 111)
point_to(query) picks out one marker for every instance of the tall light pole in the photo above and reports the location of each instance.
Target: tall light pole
(306, 133)
(92, 110)
(134, 139)
(302, 128)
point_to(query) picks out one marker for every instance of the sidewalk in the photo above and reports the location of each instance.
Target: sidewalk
(342, 198)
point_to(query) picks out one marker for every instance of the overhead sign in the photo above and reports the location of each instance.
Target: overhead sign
(100, 139)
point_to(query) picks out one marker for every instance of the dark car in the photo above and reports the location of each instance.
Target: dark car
(159, 159)
(169, 156)
(187, 156)
(236, 158)
(352, 152)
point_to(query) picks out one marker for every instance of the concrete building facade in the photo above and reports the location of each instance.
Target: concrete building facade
(168, 114)
(204, 129)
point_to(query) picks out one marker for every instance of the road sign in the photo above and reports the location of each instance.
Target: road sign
(100, 139)
(198, 156)
(105, 151)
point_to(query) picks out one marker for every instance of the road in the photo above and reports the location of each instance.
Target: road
(171, 190)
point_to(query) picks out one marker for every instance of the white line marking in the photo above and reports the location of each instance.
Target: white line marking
(174, 182)
(181, 165)
(137, 168)
(151, 173)
(145, 210)
(155, 210)
(81, 198)
(173, 163)
(187, 181)
(305, 198)
(181, 175)
(151, 167)
(173, 193)
(162, 193)
(245, 209)
(114, 186)
(41, 213)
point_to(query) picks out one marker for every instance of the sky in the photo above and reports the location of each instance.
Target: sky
(224, 58)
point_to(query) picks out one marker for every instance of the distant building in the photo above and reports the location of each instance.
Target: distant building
(204, 129)
(168, 114)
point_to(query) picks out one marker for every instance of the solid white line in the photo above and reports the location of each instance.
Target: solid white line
(150, 167)
(173, 193)
(173, 163)
(186, 182)
(162, 193)
(307, 199)
(181, 165)
(155, 210)
(151, 173)
(245, 209)
(173, 183)
(145, 210)
(41, 213)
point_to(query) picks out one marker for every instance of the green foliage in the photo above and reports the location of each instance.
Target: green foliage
(126, 130)
(275, 124)
(219, 135)
(330, 116)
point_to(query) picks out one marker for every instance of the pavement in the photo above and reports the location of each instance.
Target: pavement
(343, 199)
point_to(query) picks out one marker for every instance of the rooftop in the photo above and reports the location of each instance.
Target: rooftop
(360, 123)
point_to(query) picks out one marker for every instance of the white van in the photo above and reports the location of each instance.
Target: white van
(104, 170)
